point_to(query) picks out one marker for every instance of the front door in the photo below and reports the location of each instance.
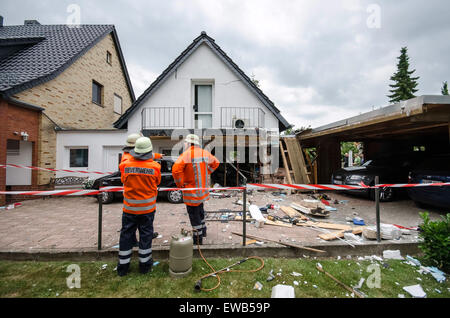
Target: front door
(111, 158)
(203, 106)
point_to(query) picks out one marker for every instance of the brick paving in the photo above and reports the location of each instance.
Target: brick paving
(70, 223)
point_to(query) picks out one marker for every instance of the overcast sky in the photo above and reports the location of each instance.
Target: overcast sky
(318, 61)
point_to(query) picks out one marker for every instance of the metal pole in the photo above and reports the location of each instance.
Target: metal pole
(244, 204)
(244, 215)
(100, 213)
(377, 207)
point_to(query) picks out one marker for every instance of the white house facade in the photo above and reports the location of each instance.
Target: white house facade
(202, 89)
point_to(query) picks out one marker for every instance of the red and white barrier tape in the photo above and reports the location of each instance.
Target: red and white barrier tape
(250, 186)
(10, 165)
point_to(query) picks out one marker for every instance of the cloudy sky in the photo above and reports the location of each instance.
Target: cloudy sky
(318, 61)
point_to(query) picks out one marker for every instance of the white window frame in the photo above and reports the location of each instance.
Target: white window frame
(121, 104)
(195, 82)
(69, 148)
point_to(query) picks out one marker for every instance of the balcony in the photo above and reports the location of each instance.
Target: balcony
(163, 118)
(253, 117)
(169, 118)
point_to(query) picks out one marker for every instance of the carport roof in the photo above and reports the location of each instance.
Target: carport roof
(418, 114)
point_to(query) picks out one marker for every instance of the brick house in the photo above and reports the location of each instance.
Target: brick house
(55, 78)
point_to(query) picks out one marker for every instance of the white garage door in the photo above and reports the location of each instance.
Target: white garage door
(111, 155)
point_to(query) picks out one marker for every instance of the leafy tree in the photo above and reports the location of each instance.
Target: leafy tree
(444, 89)
(404, 85)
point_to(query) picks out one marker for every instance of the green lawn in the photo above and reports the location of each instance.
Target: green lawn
(48, 279)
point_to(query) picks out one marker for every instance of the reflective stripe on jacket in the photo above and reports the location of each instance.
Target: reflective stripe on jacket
(140, 180)
(191, 170)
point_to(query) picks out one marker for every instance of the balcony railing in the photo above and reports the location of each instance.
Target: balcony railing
(163, 118)
(174, 117)
(253, 117)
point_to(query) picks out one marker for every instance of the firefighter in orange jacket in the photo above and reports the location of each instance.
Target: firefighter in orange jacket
(131, 140)
(140, 176)
(191, 170)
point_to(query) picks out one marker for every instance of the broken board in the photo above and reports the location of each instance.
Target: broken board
(312, 208)
(292, 213)
(323, 225)
(277, 223)
(340, 234)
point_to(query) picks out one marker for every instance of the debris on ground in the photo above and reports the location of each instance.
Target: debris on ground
(387, 232)
(358, 221)
(283, 291)
(296, 274)
(258, 286)
(391, 254)
(311, 207)
(271, 276)
(353, 238)
(416, 291)
(413, 261)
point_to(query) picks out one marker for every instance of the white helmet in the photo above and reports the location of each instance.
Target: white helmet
(143, 145)
(192, 139)
(131, 139)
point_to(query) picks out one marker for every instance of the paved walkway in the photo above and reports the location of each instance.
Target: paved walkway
(71, 222)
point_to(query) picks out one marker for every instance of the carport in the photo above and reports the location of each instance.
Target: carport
(421, 123)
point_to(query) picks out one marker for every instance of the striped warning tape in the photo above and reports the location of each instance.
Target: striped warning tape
(10, 165)
(250, 186)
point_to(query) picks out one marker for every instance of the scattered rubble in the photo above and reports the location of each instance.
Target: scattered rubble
(416, 291)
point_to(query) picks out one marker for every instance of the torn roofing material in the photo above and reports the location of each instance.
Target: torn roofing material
(210, 42)
(34, 54)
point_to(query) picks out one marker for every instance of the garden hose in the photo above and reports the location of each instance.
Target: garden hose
(198, 285)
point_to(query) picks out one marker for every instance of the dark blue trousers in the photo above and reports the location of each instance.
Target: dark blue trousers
(197, 218)
(130, 223)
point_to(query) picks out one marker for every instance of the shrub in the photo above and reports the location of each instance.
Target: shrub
(436, 241)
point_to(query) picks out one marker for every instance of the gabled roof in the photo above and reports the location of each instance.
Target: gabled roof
(36, 53)
(203, 38)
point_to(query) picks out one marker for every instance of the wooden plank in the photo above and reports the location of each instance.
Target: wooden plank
(340, 234)
(297, 160)
(277, 223)
(285, 163)
(323, 225)
(279, 242)
(291, 212)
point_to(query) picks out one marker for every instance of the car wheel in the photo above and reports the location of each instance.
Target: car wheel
(107, 197)
(175, 196)
(386, 194)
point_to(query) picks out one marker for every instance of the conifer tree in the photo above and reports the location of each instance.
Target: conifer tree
(404, 85)
(444, 89)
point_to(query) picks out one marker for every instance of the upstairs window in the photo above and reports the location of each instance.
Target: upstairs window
(97, 93)
(108, 57)
(117, 104)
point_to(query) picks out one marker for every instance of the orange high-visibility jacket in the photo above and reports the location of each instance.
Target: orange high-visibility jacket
(191, 170)
(127, 156)
(140, 180)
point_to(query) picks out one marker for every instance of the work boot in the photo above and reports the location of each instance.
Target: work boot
(122, 269)
(155, 235)
(145, 268)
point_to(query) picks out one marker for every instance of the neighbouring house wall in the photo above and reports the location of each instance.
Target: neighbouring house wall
(203, 66)
(67, 99)
(104, 147)
(17, 119)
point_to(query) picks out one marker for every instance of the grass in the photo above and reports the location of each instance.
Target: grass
(48, 279)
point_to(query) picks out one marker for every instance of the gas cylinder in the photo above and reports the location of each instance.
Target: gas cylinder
(180, 255)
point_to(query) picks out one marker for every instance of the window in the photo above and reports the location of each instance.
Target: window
(13, 147)
(79, 158)
(108, 57)
(97, 93)
(203, 106)
(117, 104)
